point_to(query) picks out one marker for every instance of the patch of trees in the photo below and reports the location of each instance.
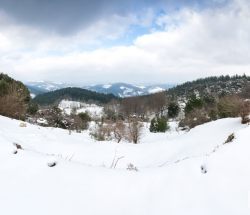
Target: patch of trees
(14, 98)
(207, 108)
(130, 130)
(219, 85)
(54, 117)
(140, 106)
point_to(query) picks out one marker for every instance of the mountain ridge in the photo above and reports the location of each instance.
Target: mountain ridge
(118, 89)
(73, 93)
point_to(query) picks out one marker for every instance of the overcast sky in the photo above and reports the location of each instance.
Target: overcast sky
(135, 41)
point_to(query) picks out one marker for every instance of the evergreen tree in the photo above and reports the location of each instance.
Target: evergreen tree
(173, 110)
(158, 124)
(193, 103)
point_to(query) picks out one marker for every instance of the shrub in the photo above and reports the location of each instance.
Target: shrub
(85, 117)
(132, 167)
(119, 130)
(213, 114)
(102, 132)
(194, 118)
(76, 123)
(32, 108)
(229, 106)
(245, 112)
(173, 110)
(134, 130)
(158, 124)
(80, 121)
(54, 118)
(193, 103)
(14, 98)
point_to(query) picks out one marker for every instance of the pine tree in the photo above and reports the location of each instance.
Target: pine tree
(158, 124)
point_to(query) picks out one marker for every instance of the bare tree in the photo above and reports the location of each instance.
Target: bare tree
(119, 130)
(111, 110)
(134, 106)
(134, 130)
(158, 102)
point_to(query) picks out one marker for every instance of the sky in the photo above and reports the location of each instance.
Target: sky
(133, 41)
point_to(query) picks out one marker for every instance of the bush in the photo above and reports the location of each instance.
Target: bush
(213, 114)
(76, 123)
(102, 132)
(85, 117)
(32, 108)
(194, 118)
(173, 110)
(245, 112)
(14, 98)
(158, 124)
(229, 106)
(80, 121)
(134, 130)
(54, 118)
(193, 103)
(119, 130)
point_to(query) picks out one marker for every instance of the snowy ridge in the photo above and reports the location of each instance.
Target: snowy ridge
(169, 172)
(128, 90)
(118, 89)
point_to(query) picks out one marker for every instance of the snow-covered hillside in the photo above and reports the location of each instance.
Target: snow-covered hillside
(92, 109)
(46, 86)
(168, 181)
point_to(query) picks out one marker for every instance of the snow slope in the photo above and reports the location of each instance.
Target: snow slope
(169, 180)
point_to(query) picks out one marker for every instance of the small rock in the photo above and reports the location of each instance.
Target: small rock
(22, 125)
(203, 169)
(18, 146)
(52, 164)
(14, 151)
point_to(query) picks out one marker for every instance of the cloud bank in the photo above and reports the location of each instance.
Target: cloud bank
(176, 45)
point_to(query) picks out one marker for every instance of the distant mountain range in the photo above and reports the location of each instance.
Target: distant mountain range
(117, 89)
(128, 90)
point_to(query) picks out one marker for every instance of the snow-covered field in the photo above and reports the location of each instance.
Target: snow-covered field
(168, 181)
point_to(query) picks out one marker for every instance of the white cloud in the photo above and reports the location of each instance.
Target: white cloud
(193, 44)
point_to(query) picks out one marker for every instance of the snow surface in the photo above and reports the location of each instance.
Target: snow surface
(169, 180)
